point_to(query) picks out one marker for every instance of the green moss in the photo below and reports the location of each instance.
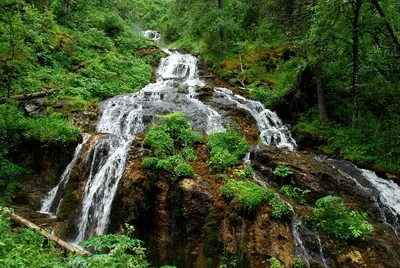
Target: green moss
(246, 193)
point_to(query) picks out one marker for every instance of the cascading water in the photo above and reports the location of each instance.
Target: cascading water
(51, 203)
(152, 35)
(272, 130)
(384, 193)
(302, 236)
(124, 116)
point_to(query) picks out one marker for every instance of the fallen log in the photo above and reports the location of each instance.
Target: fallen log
(30, 96)
(59, 242)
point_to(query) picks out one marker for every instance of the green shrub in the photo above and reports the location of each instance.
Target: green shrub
(248, 194)
(176, 159)
(178, 127)
(221, 159)
(229, 141)
(189, 154)
(174, 123)
(299, 263)
(274, 263)
(183, 170)
(280, 210)
(294, 192)
(282, 171)
(150, 163)
(188, 137)
(159, 141)
(164, 164)
(331, 216)
(51, 129)
(248, 172)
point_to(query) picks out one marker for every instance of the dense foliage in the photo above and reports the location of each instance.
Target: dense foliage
(171, 142)
(331, 215)
(22, 247)
(226, 150)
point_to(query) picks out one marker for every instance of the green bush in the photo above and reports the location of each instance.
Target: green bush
(221, 159)
(188, 137)
(174, 123)
(248, 172)
(299, 263)
(331, 216)
(246, 193)
(51, 129)
(229, 141)
(164, 164)
(150, 163)
(159, 141)
(183, 170)
(189, 154)
(176, 159)
(280, 210)
(294, 192)
(274, 263)
(178, 127)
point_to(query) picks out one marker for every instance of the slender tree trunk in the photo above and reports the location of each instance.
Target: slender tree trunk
(356, 61)
(323, 114)
(222, 33)
(387, 25)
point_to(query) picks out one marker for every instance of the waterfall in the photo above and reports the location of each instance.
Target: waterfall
(121, 117)
(51, 202)
(384, 193)
(272, 130)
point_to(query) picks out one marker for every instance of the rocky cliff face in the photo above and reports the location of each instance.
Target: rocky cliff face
(187, 223)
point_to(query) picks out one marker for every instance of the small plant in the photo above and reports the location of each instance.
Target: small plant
(299, 263)
(150, 163)
(176, 160)
(160, 142)
(183, 170)
(274, 263)
(189, 154)
(164, 164)
(229, 141)
(248, 172)
(248, 194)
(331, 216)
(280, 210)
(294, 192)
(282, 171)
(221, 159)
(188, 137)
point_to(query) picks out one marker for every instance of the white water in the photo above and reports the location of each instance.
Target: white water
(152, 35)
(51, 203)
(272, 130)
(122, 117)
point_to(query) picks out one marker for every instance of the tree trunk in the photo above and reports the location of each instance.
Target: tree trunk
(60, 243)
(222, 33)
(30, 96)
(356, 61)
(323, 114)
(387, 25)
